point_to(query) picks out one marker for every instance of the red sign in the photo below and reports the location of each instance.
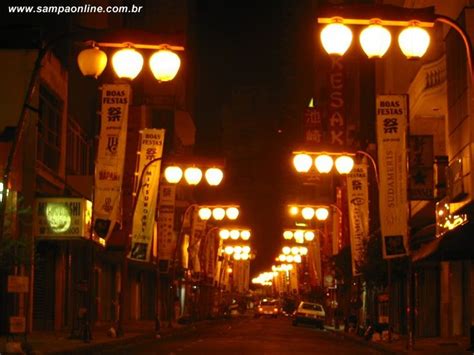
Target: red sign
(336, 107)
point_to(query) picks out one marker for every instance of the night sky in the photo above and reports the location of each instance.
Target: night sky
(269, 46)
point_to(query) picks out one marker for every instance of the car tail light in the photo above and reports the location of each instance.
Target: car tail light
(260, 309)
(275, 309)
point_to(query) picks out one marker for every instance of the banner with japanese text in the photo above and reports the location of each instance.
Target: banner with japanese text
(167, 237)
(149, 165)
(110, 158)
(358, 199)
(197, 235)
(392, 120)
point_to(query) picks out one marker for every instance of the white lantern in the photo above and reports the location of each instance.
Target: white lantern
(245, 235)
(224, 234)
(214, 176)
(218, 214)
(323, 163)
(193, 175)
(205, 213)
(92, 62)
(375, 41)
(414, 42)
(287, 235)
(127, 63)
(302, 163)
(309, 236)
(286, 250)
(322, 213)
(308, 213)
(164, 65)
(336, 38)
(344, 164)
(173, 174)
(234, 234)
(232, 213)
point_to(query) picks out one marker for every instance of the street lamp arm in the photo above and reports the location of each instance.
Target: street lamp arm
(374, 164)
(465, 37)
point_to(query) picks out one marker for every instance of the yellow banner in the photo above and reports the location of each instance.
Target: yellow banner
(151, 150)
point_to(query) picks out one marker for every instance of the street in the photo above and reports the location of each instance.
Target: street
(250, 336)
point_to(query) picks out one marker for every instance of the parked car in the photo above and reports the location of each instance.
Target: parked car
(269, 307)
(310, 313)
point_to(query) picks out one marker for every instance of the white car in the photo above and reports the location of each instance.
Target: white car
(310, 313)
(269, 307)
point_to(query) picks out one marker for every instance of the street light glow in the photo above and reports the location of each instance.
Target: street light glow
(214, 176)
(309, 236)
(234, 234)
(193, 175)
(344, 164)
(375, 41)
(205, 213)
(224, 234)
(127, 63)
(245, 235)
(173, 174)
(164, 65)
(287, 235)
(218, 213)
(307, 213)
(302, 163)
(414, 42)
(323, 163)
(322, 213)
(232, 213)
(336, 38)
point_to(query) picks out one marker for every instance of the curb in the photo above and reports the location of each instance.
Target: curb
(371, 344)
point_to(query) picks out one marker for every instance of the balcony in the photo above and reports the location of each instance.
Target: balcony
(427, 91)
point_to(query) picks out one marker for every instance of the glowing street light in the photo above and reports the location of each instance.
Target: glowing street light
(214, 176)
(336, 38)
(218, 213)
(414, 42)
(173, 174)
(193, 175)
(302, 163)
(232, 213)
(324, 163)
(375, 41)
(205, 213)
(92, 61)
(127, 63)
(164, 65)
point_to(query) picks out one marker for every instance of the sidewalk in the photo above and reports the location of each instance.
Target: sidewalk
(59, 342)
(422, 345)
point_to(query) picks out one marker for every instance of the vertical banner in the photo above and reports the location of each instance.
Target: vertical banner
(313, 127)
(336, 107)
(421, 158)
(151, 150)
(110, 158)
(197, 235)
(392, 120)
(167, 238)
(358, 199)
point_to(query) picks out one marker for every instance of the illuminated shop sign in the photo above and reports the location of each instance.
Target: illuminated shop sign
(445, 220)
(62, 217)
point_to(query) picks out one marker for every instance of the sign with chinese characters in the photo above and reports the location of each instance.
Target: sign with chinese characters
(151, 150)
(421, 159)
(391, 121)
(62, 217)
(336, 107)
(445, 221)
(313, 128)
(110, 158)
(167, 237)
(358, 199)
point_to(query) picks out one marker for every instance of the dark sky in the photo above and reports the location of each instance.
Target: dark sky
(266, 45)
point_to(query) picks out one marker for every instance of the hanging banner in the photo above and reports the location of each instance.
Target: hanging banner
(336, 106)
(421, 155)
(358, 199)
(392, 119)
(167, 237)
(149, 165)
(197, 235)
(209, 253)
(110, 158)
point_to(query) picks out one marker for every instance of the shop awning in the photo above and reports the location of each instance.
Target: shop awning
(457, 244)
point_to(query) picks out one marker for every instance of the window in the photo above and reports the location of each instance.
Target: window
(312, 307)
(79, 150)
(49, 128)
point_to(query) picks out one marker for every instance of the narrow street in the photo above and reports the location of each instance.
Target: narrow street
(251, 336)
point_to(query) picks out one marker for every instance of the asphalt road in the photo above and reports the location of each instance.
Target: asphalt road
(246, 336)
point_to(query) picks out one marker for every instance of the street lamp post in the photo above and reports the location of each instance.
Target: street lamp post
(413, 40)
